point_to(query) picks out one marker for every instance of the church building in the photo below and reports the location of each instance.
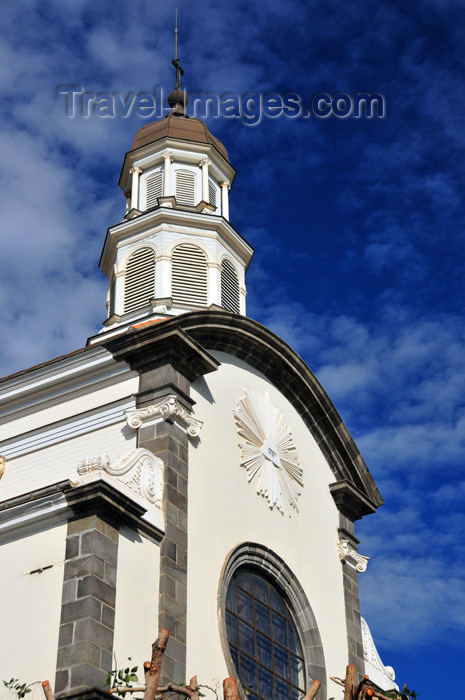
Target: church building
(185, 469)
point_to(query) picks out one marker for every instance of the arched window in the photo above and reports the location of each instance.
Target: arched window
(263, 610)
(153, 189)
(139, 282)
(263, 639)
(189, 275)
(229, 288)
(185, 187)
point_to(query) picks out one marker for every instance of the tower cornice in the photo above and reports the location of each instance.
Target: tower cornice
(190, 151)
(188, 219)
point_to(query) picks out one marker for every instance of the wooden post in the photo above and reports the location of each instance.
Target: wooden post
(194, 686)
(314, 688)
(230, 689)
(350, 682)
(48, 692)
(153, 675)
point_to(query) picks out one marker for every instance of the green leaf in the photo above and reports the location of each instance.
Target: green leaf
(134, 670)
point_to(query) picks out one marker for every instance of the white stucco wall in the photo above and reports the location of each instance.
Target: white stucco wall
(137, 587)
(225, 510)
(30, 604)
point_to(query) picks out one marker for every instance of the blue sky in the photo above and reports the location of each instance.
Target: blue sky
(358, 227)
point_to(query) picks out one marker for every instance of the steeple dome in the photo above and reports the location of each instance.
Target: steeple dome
(175, 250)
(177, 127)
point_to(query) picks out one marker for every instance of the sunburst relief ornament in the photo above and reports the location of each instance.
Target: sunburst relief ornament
(268, 452)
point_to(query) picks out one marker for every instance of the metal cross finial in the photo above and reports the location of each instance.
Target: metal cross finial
(179, 71)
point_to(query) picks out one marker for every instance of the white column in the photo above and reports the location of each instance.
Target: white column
(119, 292)
(204, 165)
(214, 284)
(163, 277)
(135, 172)
(167, 176)
(225, 199)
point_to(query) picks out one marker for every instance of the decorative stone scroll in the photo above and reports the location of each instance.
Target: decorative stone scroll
(2, 465)
(382, 675)
(170, 410)
(349, 554)
(138, 469)
(268, 451)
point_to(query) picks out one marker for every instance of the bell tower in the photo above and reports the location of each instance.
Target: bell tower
(175, 250)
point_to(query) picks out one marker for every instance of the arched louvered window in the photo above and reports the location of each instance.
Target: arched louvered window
(189, 275)
(212, 193)
(139, 283)
(229, 287)
(185, 187)
(153, 189)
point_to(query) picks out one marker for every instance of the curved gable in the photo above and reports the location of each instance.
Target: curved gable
(354, 490)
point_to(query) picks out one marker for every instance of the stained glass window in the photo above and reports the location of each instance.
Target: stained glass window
(263, 639)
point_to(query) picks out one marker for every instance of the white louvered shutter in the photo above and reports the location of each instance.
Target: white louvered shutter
(212, 193)
(154, 189)
(229, 287)
(185, 187)
(189, 275)
(139, 283)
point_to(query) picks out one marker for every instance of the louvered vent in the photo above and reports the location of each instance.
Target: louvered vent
(185, 187)
(139, 285)
(189, 275)
(154, 189)
(212, 193)
(229, 287)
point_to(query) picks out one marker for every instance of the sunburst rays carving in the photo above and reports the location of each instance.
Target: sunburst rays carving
(268, 452)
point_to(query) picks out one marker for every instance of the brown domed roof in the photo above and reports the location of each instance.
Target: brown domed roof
(177, 127)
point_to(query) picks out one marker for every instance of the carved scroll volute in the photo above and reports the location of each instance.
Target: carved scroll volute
(169, 410)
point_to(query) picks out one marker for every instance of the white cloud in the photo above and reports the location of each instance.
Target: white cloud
(409, 601)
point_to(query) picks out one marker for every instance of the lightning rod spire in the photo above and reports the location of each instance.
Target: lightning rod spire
(175, 61)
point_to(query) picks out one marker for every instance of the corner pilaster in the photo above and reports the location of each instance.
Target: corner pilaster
(167, 362)
(88, 605)
(352, 564)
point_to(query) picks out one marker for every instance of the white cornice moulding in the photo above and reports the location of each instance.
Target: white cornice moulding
(349, 555)
(52, 509)
(169, 410)
(71, 428)
(212, 226)
(55, 372)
